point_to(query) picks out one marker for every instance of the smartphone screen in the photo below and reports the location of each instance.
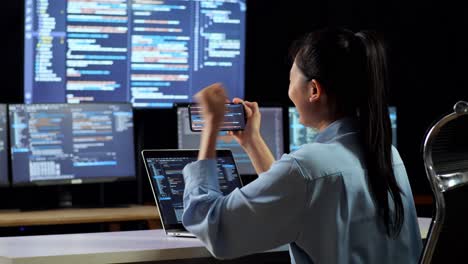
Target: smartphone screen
(234, 118)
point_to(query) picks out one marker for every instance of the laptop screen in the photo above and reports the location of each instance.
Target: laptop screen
(164, 169)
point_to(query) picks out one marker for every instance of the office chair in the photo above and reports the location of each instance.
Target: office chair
(446, 160)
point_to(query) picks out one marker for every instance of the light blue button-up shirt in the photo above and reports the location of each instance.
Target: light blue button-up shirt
(315, 199)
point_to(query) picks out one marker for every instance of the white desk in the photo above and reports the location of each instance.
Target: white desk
(109, 247)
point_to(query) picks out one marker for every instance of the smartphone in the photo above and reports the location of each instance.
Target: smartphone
(234, 118)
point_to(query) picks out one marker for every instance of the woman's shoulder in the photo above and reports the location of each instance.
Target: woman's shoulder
(320, 152)
(319, 159)
(324, 152)
(396, 158)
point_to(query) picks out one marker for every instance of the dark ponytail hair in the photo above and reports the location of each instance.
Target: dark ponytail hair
(352, 69)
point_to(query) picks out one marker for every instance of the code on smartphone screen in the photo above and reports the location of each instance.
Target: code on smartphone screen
(234, 118)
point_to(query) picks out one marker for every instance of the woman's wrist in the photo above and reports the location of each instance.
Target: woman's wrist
(259, 154)
(252, 141)
(212, 123)
(208, 142)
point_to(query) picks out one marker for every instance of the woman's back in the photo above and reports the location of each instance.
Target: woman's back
(343, 199)
(341, 224)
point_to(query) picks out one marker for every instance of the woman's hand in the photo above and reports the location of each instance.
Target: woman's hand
(251, 140)
(251, 132)
(212, 99)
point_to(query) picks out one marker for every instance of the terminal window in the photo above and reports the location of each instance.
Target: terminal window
(271, 129)
(149, 53)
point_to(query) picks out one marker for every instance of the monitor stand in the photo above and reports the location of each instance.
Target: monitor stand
(72, 196)
(65, 199)
(60, 197)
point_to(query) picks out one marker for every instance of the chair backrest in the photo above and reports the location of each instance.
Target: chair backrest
(446, 160)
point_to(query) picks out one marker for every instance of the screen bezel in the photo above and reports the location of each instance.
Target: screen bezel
(75, 181)
(169, 153)
(7, 181)
(241, 106)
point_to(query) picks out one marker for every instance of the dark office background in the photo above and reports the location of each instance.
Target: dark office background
(427, 48)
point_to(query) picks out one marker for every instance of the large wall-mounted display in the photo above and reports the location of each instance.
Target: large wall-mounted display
(148, 53)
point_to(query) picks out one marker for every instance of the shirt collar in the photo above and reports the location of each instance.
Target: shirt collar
(336, 129)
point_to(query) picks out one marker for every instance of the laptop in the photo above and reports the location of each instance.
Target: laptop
(164, 170)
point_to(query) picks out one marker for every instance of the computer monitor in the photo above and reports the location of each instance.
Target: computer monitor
(300, 135)
(3, 146)
(271, 130)
(149, 53)
(393, 121)
(71, 143)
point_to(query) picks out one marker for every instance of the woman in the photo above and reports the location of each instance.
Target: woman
(344, 198)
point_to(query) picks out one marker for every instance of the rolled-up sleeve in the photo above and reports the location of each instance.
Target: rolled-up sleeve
(262, 215)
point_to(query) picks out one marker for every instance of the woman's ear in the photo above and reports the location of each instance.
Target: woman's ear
(315, 90)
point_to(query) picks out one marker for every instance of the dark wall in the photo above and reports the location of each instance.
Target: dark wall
(427, 47)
